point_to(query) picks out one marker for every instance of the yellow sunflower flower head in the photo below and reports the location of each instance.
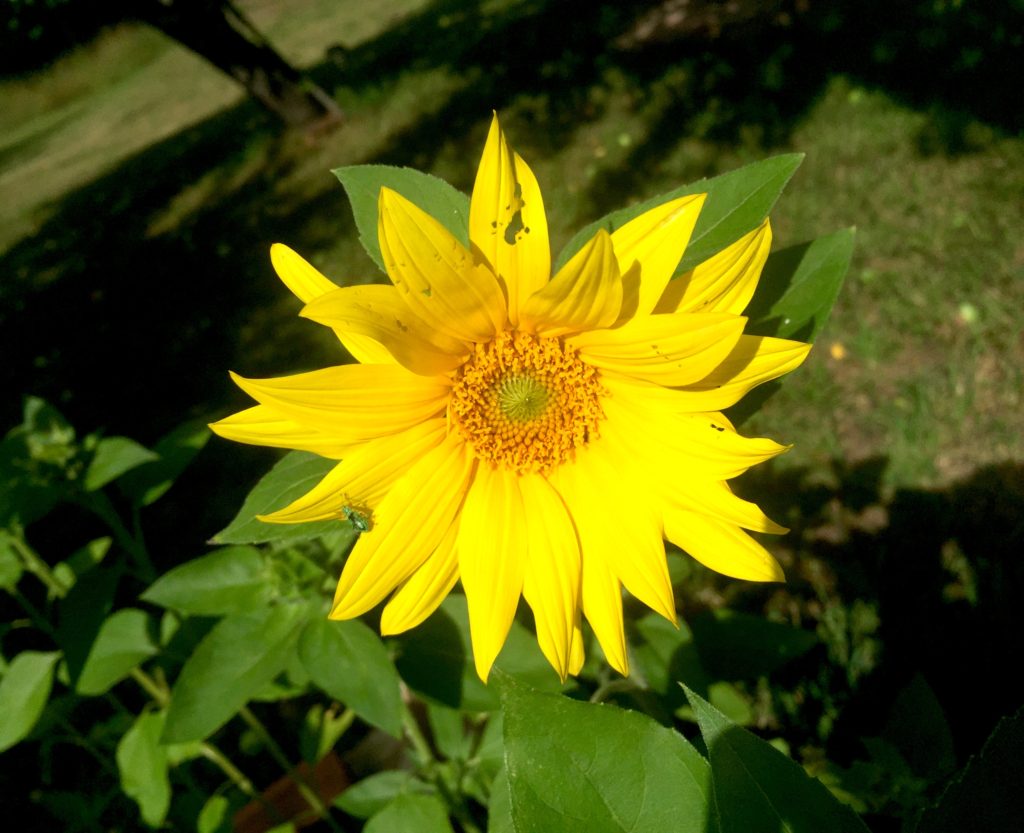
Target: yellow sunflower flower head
(527, 433)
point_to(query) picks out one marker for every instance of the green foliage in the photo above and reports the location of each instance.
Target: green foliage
(757, 788)
(435, 196)
(24, 690)
(411, 813)
(348, 661)
(736, 203)
(124, 640)
(241, 655)
(228, 580)
(604, 768)
(293, 475)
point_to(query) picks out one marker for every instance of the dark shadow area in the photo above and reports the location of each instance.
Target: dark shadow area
(925, 584)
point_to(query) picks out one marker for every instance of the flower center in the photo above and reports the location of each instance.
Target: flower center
(526, 402)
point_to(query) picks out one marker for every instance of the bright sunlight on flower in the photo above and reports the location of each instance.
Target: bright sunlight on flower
(524, 433)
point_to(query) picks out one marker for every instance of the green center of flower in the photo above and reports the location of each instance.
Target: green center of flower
(522, 397)
(526, 402)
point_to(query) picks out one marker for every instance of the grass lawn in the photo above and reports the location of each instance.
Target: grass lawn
(142, 190)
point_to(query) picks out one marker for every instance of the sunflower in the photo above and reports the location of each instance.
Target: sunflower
(523, 433)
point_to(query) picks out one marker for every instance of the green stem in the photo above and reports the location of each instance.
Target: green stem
(278, 754)
(35, 564)
(610, 687)
(37, 618)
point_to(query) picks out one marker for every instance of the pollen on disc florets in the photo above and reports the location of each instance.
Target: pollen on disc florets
(526, 402)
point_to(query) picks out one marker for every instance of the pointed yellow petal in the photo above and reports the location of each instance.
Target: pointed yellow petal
(264, 426)
(551, 583)
(675, 349)
(364, 477)
(435, 274)
(722, 546)
(656, 240)
(298, 274)
(507, 225)
(408, 526)
(352, 402)
(492, 554)
(379, 313)
(715, 499)
(753, 361)
(421, 593)
(724, 282)
(586, 294)
(699, 445)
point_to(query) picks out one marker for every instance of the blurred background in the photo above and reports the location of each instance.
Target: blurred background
(150, 152)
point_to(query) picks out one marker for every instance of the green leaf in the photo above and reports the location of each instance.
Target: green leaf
(10, 563)
(739, 646)
(666, 654)
(736, 203)
(214, 818)
(147, 483)
(499, 808)
(440, 200)
(757, 789)
(410, 813)
(349, 662)
(124, 640)
(82, 561)
(369, 796)
(799, 286)
(228, 580)
(81, 615)
(142, 765)
(241, 655)
(609, 770)
(917, 727)
(436, 660)
(114, 457)
(448, 730)
(293, 475)
(988, 795)
(24, 690)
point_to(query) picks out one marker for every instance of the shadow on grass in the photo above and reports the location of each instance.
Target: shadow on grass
(921, 583)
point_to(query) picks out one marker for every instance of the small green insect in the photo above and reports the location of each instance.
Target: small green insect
(360, 518)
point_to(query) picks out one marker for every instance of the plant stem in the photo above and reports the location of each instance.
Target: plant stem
(35, 564)
(278, 754)
(100, 505)
(416, 738)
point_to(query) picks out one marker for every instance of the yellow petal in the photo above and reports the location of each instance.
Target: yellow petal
(421, 593)
(352, 402)
(379, 313)
(675, 349)
(724, 282)
(586, 294)
(408, 526)
(656, 240)
(365, 350)
(696, 445)
(507, 225)
(722, 546)
(753, 361)
(298, 274)
(264, 426)
(435, 274)
(551, 583)
(492, 554)
(576, 652)
(617, 524)
(715, 499)
(364, 477)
